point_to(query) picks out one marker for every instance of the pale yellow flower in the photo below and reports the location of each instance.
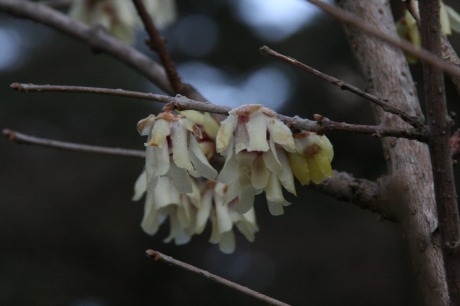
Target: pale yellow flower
(311, 161)
(224, 217)
(255, 142)
(173, 150)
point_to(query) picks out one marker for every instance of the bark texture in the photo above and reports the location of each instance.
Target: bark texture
(411, 189)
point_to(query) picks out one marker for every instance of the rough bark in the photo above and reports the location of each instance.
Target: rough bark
(389, 77)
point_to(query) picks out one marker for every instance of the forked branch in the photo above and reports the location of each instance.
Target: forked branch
(412, 120)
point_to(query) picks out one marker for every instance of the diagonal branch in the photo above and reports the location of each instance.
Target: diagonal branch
(320, 125)
(395, 41)
(157, 256)
(412, 120)
(157, 44)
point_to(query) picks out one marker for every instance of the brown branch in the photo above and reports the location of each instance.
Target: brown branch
(157, 256)
(96, 38)
(439, 144)
(157, 44)
(395, 41)
(21, 138)
(412, 120)
(363, 193)
(320, 125)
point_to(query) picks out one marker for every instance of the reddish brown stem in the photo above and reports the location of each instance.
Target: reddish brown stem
(157, 256)
(157, 44)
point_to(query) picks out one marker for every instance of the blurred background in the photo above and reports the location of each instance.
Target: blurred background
(69, 231)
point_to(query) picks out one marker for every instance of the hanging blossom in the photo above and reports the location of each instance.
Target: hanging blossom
(173, 151)
(173, 160)
(255, 143)
(119, 17)
(176, 148)
(311, 161)
(408, 29)
(164, 202)
(223, 217)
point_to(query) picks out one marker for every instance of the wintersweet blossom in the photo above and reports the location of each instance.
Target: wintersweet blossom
(164, 202)
(255, 143)
(189, 213)
(223, 217)
(311, 161)
(173, 151)
(119, 17)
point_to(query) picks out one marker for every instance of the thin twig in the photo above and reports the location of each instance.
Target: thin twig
(157, 256)
(319, 125)
(49, 143)
(412, 120)
(157, 44)
(422, 54)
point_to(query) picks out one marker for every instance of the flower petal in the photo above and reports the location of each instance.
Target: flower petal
(246, 199)
(203, 212)
(161, 129)
(151, 220)
(199, 161)
(140, 186)
(257, 132)
(225, 133)
(259, 173)
(299, 166)
(227, 242)
(281, 134)
(181, 179)
(180, 147)
(224, 221)
(285, 175)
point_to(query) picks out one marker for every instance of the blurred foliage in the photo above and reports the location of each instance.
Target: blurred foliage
(70, 234)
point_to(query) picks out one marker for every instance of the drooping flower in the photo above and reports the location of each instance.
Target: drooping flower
(311, 161)
(189, 213)
(223, 217)
(119, 17)
(255, 143)
(173, 151)
(164, 202)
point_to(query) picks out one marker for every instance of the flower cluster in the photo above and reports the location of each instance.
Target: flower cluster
(119, 17)
(261, 153)
(408, 29)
